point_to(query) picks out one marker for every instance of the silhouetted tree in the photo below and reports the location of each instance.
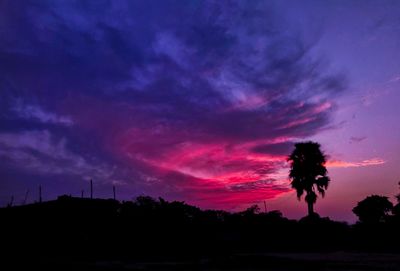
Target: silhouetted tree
(146, 202)
(252, 210)
(373, 209)
(308, 173)
(396, 208)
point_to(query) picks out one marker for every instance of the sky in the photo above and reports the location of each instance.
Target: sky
(199, 101)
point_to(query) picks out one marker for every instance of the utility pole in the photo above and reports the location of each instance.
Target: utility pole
(40, 194)
(11, 201)
(91, 189)
(265, 207)
(26, 197)
(114, 192)
(82, 194)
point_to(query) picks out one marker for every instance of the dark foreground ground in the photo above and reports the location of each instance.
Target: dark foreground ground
(148, 234)
(344, 261)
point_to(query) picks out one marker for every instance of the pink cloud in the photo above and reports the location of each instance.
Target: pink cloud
(364, 163)
(297, 123)
(211, 175)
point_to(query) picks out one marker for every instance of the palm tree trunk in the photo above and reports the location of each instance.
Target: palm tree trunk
(310, 208)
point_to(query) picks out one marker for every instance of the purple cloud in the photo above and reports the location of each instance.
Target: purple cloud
(357, 139)
(172, 98)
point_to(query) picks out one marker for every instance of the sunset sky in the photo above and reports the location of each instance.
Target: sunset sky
(199, 101)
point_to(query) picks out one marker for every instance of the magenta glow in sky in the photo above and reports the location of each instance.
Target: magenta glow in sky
(199, 101)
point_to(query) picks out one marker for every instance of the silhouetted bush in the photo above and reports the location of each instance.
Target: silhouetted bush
(73, 229)
(373, 209)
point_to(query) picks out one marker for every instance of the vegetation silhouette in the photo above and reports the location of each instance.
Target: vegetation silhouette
(396, 208)
(373, 209)
(308, 173)
(81, 230)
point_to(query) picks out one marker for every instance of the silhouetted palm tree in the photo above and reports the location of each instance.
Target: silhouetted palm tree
(308, 173)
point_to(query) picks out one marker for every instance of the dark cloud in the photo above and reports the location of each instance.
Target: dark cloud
(284, 148)
(357, 139)
(168, 84)
(257, 185)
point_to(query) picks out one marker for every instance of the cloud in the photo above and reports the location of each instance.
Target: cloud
(365, 163)
(394, 79)
(40, 152)
(284, 148)
(355, 139)
(257, 185)
(196, 99)
(36, 113)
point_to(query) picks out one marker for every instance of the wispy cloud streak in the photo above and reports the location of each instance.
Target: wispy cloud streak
(364, 163)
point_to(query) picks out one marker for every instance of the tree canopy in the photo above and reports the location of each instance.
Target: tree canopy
(308, 173)
(373, 209)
